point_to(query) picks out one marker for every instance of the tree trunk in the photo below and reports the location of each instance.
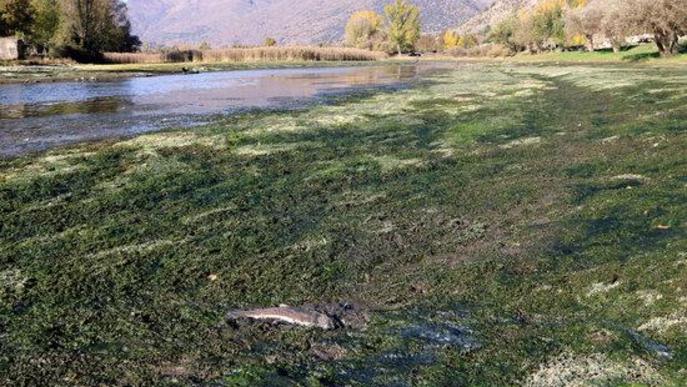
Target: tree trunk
(590, 43)
(617, 45)
(667, 43)
(400, 52)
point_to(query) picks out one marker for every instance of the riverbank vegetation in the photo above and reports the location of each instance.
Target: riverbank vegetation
(249, 54)
(496, 224)
(549, 26)
(555, 25)
(77, 29)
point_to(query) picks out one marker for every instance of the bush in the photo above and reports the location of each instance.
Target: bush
(177, 56)
(484, 50)
(78, 54)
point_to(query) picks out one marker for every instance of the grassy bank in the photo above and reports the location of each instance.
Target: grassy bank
(499, 224)
(645, 54)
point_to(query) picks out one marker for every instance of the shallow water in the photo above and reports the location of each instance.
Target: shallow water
(36, 117)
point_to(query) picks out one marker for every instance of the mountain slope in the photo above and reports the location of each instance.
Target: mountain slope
(229, 22)
(497, 12)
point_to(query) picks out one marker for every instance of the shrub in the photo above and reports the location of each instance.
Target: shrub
(177, 56)
(428, 43)
(485, 50)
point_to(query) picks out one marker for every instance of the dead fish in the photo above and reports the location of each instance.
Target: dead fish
(296, 316)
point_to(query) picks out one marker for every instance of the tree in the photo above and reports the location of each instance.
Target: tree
(17, 17)
(270, 42)
(665, 19)
(47, 21)
(95, 26)
(611, 26)
(403, 21)
(451, 39)
(599, 17)
(524, 33)
(363, 29)
(548, 24)
(504, 32)
(586, 21)
(118, 28)
(84, 25)
(4, 29)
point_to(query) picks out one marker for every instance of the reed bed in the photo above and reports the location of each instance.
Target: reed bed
(257, 54)
(132, 57)
(252, 54)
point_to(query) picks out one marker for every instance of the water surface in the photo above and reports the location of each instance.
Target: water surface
(36, 117)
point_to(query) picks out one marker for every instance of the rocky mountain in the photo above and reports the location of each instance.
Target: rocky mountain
(497, 12)
(228, 22)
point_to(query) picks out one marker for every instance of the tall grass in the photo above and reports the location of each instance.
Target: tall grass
(132, 57)
(252, 54)
(484, 50)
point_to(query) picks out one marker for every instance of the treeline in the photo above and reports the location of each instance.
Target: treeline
(81, 29)
(557, 24)
(551, 25)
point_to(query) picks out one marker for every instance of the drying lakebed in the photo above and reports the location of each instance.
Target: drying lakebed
(493, 224)
(40, 116)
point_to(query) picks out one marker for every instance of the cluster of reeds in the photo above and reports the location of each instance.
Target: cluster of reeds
(251, 54)
(132, 57)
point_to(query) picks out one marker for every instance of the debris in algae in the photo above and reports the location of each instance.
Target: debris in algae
(443, 334)
(631, 178)
(655, 348)
(288, 315)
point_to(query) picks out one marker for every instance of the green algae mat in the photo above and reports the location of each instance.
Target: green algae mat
(494, 225)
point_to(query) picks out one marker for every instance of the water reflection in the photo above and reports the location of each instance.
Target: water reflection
(95, 105)
(39, 116)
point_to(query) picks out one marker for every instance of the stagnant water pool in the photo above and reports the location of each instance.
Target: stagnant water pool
(36, 117)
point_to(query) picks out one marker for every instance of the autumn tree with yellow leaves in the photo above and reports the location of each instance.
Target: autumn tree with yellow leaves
(403, 24)
(363, 29)
(450, 39)
(400, 28)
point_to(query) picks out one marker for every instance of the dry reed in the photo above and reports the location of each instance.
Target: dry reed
(253, 54)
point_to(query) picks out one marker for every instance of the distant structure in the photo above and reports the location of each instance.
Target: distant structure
(11, 48)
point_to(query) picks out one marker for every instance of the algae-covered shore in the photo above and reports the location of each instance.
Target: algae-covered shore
(17, 73)
(496, 224)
